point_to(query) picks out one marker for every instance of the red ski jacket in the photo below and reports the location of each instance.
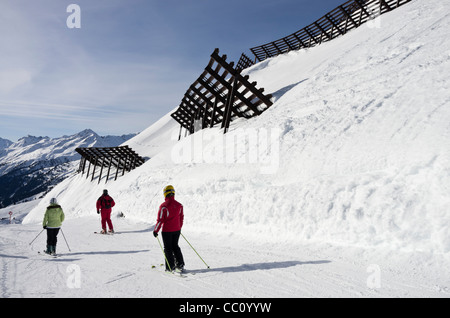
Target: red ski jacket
(170, 216)
(105, 203)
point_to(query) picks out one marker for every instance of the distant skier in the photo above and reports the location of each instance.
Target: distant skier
(104, 206)
(170, 219)
(53, 218)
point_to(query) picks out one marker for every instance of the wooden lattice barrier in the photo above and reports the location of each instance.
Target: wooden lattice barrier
(218, 96)
(337, 22)
(244, 62)
(121, 158)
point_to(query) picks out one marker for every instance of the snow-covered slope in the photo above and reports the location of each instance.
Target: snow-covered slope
(4, 143)
(159, 136)
(363, 153)
(350, 198)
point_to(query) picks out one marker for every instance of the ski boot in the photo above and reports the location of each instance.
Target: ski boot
(48, 249)
(180, 269)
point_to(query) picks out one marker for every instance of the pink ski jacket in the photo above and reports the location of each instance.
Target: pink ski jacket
(170, 216)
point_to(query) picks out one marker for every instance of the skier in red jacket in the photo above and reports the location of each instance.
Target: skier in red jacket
(104, 206)
(170, 219)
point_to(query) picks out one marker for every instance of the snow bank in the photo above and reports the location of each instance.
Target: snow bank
(354, 151)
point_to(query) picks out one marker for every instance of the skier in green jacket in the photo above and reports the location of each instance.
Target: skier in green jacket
(53, 218)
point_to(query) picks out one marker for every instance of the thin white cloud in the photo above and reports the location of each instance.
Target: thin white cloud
(54, 111)
(49, 72)
(11, 79)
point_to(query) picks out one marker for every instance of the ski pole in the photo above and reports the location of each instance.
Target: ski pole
(194, 249)
(65, 240)
(37, 236)
(167, 262)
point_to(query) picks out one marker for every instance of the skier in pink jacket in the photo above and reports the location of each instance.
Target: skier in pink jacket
(170, 220)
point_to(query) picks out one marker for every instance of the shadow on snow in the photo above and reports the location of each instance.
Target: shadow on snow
(258, 266)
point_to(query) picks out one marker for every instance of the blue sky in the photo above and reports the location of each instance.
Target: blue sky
(130, 62)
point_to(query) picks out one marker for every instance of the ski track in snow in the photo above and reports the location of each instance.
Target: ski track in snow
(120, 266)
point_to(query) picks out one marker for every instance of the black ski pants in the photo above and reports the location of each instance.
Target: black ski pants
(51, 236)
(172, 250)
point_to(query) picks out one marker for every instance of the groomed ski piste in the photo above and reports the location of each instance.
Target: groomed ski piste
(351, 198)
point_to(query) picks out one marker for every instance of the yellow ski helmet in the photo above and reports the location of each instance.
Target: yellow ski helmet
(169, 190)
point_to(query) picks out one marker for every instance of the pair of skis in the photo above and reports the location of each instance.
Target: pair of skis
(43, 253)
(176, 272)
(107, 233)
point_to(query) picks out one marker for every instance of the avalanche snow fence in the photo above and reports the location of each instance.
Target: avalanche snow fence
(121, 158)
(218, 96)
(337, 22)
(222, 94)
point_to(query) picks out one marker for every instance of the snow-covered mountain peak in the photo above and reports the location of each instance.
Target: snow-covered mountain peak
(4, 143)
(29, 140)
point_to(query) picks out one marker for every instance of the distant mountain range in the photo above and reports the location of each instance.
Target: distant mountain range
(33, 165)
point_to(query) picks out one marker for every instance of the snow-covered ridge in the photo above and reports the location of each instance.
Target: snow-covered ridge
(32, 165)
(362, 148)
(44, 148)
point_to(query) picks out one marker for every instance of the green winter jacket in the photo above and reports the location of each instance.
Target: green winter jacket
(54, 216)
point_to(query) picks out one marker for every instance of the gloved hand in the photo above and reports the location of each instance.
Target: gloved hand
(45, 227)
(155, 234)
(98, 211)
